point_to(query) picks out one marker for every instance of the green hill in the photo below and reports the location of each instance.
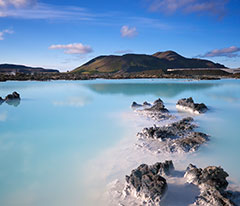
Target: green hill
(128, 63)
(125, 63)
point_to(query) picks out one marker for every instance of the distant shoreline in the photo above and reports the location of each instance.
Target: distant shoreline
(76, 76)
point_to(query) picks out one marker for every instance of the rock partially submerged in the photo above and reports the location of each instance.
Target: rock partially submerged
(171, 131)
(176, 137)
(212, 184)
(12, 96)
(155, 111)
(158, 106)
(135, 104)
(11, 99)
(187, 104)
(147, 184)
(158, 184)
(146, 103)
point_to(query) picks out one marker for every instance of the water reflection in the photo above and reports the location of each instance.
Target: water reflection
(13, 102)
(78, 101)
(157, 89)
(12, 99)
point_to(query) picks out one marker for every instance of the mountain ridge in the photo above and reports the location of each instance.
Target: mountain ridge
(127, 63)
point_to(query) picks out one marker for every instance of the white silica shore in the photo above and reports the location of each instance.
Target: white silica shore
(187, 109)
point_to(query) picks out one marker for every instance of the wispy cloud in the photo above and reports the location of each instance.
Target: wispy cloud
(123, 51)
(76, 48)
(213, 7)
(33, 9)
(225, 52)
(16, 3)
(27, 9)
(127, 31)
(6, 31)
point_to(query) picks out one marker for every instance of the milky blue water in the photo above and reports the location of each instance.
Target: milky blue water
(49, 140)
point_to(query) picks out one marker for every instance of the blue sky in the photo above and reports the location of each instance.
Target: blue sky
(64, 34)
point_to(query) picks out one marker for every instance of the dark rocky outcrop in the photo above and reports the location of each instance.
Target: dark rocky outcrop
(12, 96)
(135, 104)
(189, 143)
(172, 131)
(155, 111)
(146, 103)
(210, 176)
(158, 106)
(212, 184)
(176, 137)
(147, 184)
(164, 169)
(188, 104)
(11, 99)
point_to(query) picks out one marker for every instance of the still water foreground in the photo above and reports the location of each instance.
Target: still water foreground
(68, 142)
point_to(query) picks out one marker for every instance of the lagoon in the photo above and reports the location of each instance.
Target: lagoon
(67, 140)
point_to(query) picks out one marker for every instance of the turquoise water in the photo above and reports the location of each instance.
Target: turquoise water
(50, 141)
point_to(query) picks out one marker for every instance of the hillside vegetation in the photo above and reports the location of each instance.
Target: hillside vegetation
(160, 62)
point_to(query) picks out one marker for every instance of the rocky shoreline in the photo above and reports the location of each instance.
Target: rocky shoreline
(148, 184)
(132, 75)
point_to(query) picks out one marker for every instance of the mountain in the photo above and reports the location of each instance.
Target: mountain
(12, 68)
(177, 61)
(125, 63)
(160, 61)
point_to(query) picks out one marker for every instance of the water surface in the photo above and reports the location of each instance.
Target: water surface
(59, 145)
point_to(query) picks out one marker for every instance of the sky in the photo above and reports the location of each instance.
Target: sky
(63, 35)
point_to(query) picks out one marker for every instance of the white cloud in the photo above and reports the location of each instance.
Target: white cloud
(226, 52)
(215, 7)
(16, 3)
(6, 31)
(127, 31)
(76, 48)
